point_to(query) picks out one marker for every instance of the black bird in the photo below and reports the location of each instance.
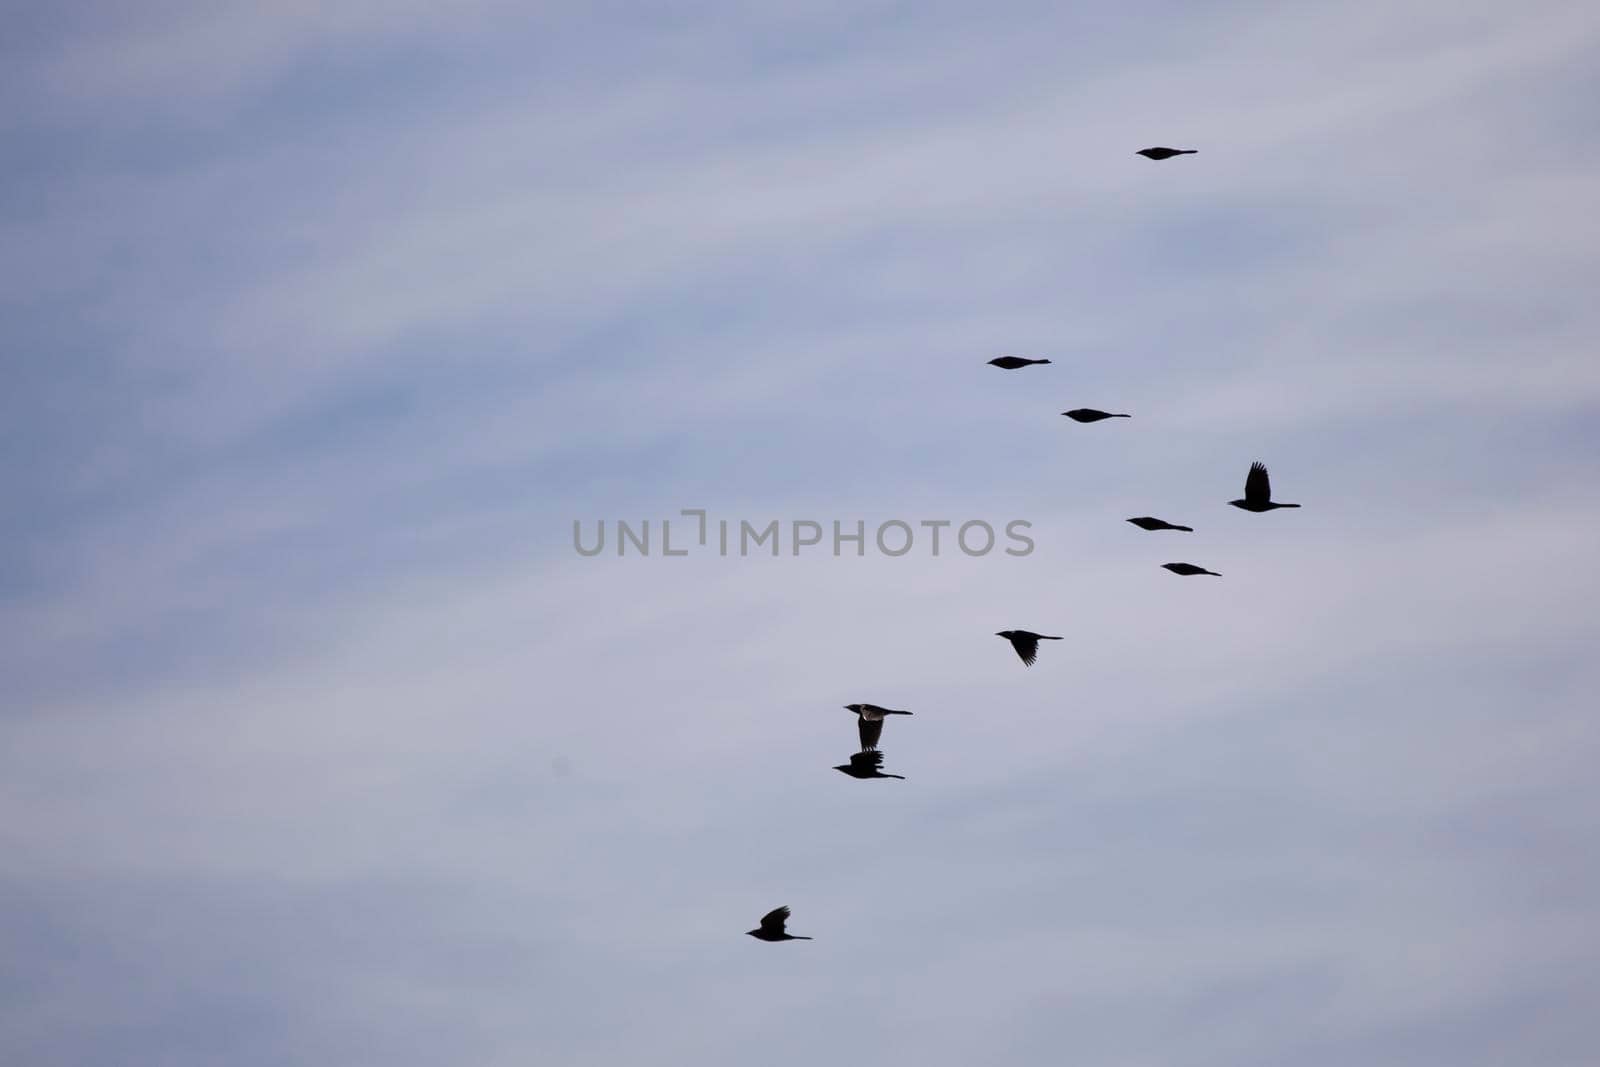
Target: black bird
(1146, 522)
(1026, 642)
(1165, 153)
(771, 928)
(1189, 569)
(1091, 415)
(1258, 491)
(871, 723)
(866, 765)
(1014, 362)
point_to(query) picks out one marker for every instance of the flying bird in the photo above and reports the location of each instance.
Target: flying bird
(1014, 362)
(1165, 153)
(1146, 522)
(1189, 569)
(1026, 642)
(1258, 491)
(871, 723)
(866, 764)
(771, 928)
(1091, 415)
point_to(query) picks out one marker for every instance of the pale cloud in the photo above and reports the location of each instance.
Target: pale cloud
(322, 745)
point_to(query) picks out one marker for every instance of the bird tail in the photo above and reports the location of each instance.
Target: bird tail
(1122, 416)
(1288, 505)
(1185, 529)
(800, 937)
(888, 711)
(899, 776)
(1047, 637)
(1187, 151)
(1041, 361)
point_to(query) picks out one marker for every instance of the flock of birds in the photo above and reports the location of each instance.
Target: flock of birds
(868, 762)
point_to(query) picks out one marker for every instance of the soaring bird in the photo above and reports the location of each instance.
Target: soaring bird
(1189, 569)
(1258, 491)
(1026, 642)
(1165, 153)
(1013, 362)
(871, 723)
(771, 928)
(1146, 522)
(1091, 415)
(866, 764)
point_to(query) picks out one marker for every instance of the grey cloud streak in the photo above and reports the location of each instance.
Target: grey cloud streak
(319, 745)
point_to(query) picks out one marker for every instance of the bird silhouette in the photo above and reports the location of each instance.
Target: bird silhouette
(1014, 362)
(1258, 491)
(1026, 642)
(1165, 153)
(1091, 415)
(1146, 522)
(1189, 569)
(871, 723)
(866, 765)
(771, 928)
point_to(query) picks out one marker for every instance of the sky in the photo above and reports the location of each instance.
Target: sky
(320, 744)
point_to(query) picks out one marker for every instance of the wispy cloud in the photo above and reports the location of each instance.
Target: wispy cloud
(321, 744)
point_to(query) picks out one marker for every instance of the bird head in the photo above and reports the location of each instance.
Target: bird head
(1007, 634)
(853, 707)
(753, 933)
(1239, 503)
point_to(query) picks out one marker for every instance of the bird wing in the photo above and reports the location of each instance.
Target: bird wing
(1257, 489)
(871, 730)
(867, 760)
(1027, 646)
(773, 920)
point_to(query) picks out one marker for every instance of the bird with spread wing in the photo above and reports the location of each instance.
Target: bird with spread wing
(1092, 415)
(867, 764)
(1150, 522)
(1258, 491)
(1026, 642)
(871, 722)
(771, 928)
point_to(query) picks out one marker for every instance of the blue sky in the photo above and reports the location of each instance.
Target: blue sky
(320, 745)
